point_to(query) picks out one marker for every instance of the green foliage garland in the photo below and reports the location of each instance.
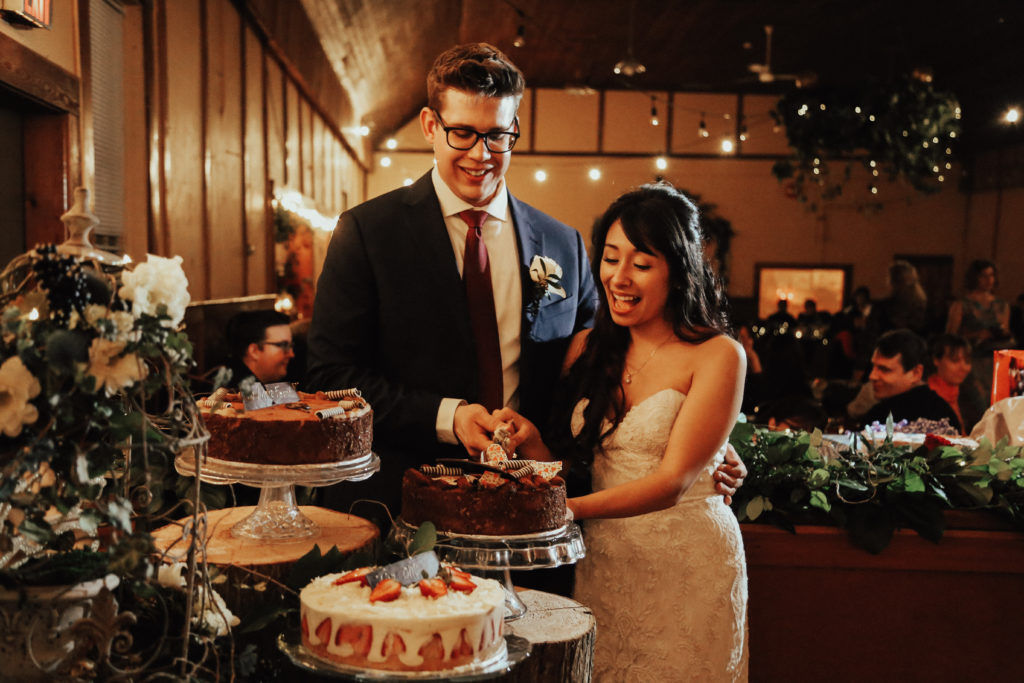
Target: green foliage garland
(875, 488)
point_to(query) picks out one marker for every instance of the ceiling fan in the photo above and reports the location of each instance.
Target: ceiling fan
(764, 71)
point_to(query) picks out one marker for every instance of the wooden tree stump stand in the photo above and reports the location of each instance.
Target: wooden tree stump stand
(562, 632)
(271, 558)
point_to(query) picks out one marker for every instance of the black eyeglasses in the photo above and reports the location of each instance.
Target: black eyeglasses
(496, 142)
(285, 346)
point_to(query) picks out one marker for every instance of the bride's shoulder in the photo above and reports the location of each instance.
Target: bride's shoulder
(720, 350)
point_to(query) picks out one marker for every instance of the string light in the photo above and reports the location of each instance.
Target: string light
(391, 143)
(540, 176)
(743, 132)
(654, 111)
(520, 38)
(661, 163)
(407, 182)
(385, 161)
(595, 174)
(702, 128)
(727, 146)
(1011, 116)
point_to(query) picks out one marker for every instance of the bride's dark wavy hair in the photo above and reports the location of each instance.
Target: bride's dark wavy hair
(655, 218)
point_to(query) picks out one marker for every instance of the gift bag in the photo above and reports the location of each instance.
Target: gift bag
(1007, 374)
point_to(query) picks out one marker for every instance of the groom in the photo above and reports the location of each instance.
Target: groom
(399, 312)
(393, 315)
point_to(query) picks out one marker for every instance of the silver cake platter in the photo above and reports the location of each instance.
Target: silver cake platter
(277, 516)
(501, 554)
(516, 650)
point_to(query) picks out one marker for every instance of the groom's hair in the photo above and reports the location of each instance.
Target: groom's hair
(476, 68)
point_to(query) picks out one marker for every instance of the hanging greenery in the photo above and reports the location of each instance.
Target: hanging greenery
(904, 129)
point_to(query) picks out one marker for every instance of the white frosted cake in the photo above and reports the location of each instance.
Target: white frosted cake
(439, 623)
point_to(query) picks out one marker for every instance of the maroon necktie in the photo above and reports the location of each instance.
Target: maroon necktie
(476, 274)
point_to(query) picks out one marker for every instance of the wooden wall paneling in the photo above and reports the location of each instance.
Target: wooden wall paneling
(223, 167)
(184, 143)
(333, 175)
(154, 60)
(319, 167)
(306, 145)
(257, 236)
(293, 168)
(136, 189)
(47, 143)
(277, 141)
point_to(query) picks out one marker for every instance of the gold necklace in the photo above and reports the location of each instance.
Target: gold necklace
(628, 379)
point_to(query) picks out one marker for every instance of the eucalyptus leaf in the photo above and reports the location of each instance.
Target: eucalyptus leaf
(424, 539)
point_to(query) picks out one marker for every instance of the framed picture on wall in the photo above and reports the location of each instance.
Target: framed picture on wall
(827, 285)
(26, 13)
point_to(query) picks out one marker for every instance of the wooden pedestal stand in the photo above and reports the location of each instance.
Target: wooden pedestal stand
(562, 632)
(270, 558)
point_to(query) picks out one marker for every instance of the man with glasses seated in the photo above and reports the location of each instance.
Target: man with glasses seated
(260, 345)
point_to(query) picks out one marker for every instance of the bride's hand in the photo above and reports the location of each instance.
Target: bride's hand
(524, 436)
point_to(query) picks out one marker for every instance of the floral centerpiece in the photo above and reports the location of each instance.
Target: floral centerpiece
(94, 406)
(93, 373)
(872, 487)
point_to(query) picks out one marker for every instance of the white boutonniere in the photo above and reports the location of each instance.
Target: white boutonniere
(546, 275)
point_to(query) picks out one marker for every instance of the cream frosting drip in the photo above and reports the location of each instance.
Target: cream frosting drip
(412, 616)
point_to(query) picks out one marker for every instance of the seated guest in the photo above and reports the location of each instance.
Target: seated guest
(260, 344)
(897, 377)
(952, 380)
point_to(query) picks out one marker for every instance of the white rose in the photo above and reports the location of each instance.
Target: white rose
(157, 281)
(17, 387)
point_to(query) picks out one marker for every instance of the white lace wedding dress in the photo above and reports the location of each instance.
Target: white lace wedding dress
(668, 588)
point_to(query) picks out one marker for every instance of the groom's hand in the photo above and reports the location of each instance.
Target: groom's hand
(730, 474)
(474, 426)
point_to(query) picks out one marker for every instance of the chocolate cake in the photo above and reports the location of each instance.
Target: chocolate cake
(490, 505)
(318, 428)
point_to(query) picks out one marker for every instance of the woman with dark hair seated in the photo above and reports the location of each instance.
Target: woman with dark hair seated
(950, 377)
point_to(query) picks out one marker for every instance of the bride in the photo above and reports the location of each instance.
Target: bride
(659, 384)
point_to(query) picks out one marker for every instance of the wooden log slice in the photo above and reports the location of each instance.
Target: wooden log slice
(562, 633)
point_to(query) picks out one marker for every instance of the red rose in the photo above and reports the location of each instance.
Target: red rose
(934, 441)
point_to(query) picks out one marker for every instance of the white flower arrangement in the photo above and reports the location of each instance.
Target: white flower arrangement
(157, 282)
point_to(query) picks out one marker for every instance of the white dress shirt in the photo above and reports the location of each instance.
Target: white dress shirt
(503, 257)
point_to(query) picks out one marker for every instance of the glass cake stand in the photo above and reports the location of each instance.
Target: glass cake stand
(277, 516)
(516, 650)
(502, 554)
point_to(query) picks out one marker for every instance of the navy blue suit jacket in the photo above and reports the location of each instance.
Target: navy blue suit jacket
(391, 319)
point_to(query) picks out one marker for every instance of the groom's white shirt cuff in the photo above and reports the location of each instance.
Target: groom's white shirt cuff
(446, 420)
